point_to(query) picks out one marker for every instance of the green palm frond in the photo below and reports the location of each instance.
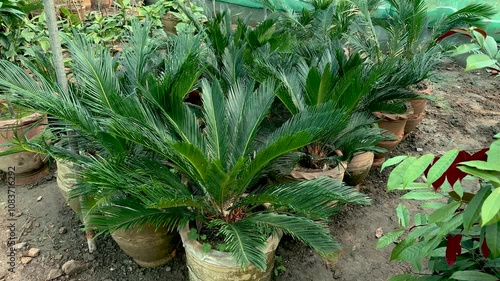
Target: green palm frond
(312, 199)
(360, 135)
(139, 175)
(38, 94)
(366, 38)
(311, 233)
(127, 213)
(216, 124)
(244, 241)
(246, 123)
(139, 56)
(93, 69)
(302, 129)
(471, 14)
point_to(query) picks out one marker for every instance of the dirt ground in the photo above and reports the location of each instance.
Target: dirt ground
(465, 115)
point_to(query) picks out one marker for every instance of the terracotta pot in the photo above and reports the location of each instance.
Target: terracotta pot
(394, 123)
(66, 180)
(169, 22)
(377, 162)
(309, 174)
(148, 247)
(418, 106)
(29, 166)
(222, 266)
(389, 146)
(412, 123)
(359, 168)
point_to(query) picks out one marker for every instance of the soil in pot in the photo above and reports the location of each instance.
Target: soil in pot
(359, 168)
(28, 166)
(222, 266)
(149, 247)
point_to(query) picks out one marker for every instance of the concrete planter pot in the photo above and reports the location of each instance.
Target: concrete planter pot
(336, 172)
(359, 168)
(149, 247)
(222, 266)
(29, 167)
(66, 180)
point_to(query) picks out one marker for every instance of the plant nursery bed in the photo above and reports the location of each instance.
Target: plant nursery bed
(465, 115)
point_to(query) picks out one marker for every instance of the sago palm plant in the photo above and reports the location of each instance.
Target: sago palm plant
(329, 76)
(410, 41)
(100, 83)
(222, 159)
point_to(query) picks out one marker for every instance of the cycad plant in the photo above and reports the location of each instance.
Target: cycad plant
(222, 159)
(347, 82)
(409, 39)
(407, 27)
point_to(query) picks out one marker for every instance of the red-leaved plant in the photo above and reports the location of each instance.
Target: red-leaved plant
(458, 231)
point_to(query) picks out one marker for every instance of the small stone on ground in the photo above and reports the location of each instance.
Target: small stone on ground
(54, 273)
(19, 246)
(26, 260)
(33, 252)
(73, 267)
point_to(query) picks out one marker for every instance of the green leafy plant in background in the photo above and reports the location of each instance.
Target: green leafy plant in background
(460, 231)
(13, 16)
(483, 51)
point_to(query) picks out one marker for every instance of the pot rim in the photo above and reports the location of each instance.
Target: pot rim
(390, 116)
(218, 258)
(13, 123)
(301, 169)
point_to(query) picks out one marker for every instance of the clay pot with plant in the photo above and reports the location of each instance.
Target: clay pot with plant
(394, 125)
(233, 236)
(411, 43)
(317, 162)
(358, 168)
(19, 123)
(222, 162)
(83, 120)
(148, 245)
(349, 82)
(416, 108)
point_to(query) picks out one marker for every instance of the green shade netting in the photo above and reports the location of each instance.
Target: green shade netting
(436, 8)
